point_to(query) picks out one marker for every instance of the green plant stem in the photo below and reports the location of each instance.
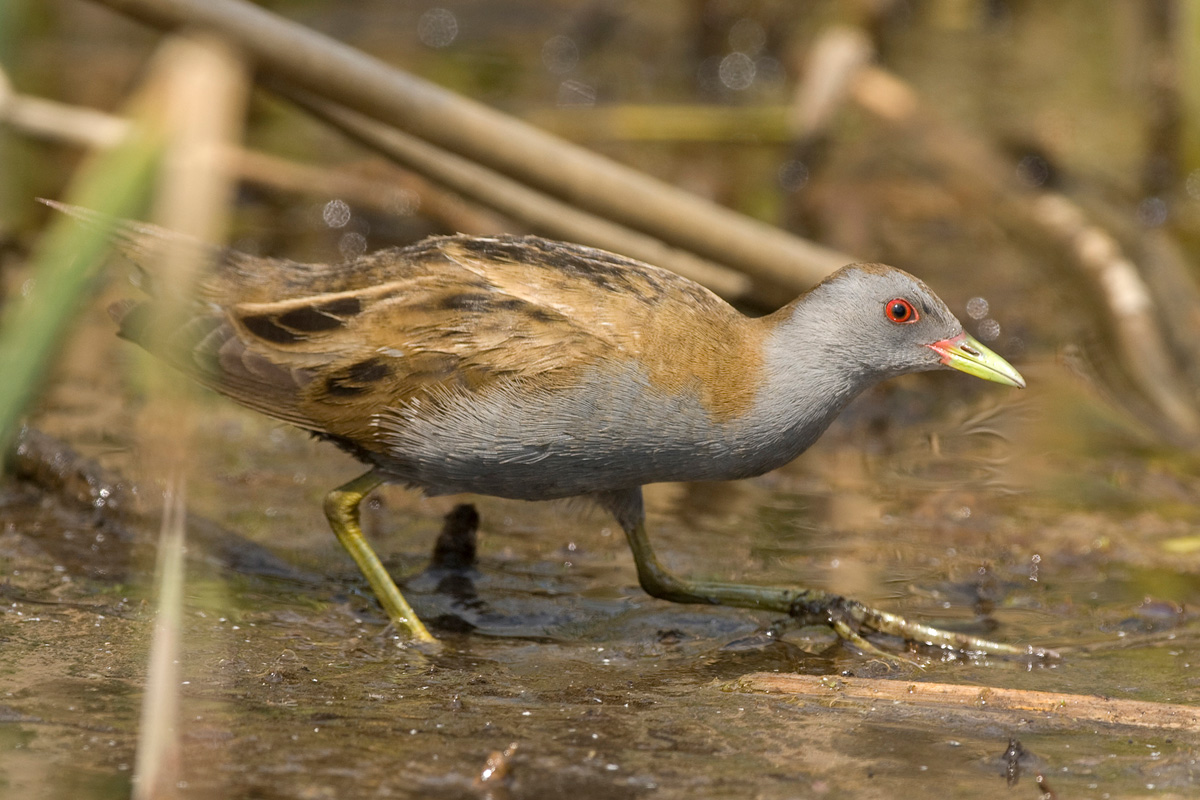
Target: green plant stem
(34, 321)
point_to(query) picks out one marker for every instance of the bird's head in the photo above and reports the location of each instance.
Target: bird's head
(883, 322)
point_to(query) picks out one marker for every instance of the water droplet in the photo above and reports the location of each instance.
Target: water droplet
(1192, 184)
(977, 307)
(336, 213)
(737, 71)
(560, 54)
(352, 245)
(1152, 212)
(437, 27)
(989, 330)
(1033, 171)
(793, 175)
(403, 203)
(747, 36)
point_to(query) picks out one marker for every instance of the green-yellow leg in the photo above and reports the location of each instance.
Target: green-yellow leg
(341, 508)
(845, 616)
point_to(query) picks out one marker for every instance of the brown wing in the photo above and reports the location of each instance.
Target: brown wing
(329, 348)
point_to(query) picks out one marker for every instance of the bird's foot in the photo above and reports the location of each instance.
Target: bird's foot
(849, 618)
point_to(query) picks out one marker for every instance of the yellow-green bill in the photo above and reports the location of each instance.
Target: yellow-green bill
(965, 353)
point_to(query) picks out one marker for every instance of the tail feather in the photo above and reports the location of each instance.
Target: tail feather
(140, 242)
(201, 339)
(235, 277)
(207, 348)
(119, 311)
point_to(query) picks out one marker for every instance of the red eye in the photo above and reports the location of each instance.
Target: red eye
(900, 310)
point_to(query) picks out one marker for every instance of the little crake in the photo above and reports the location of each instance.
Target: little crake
(526, 368)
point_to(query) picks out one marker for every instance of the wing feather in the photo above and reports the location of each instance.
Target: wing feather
(330, 348)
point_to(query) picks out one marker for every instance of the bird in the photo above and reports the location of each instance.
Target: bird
(526, 368)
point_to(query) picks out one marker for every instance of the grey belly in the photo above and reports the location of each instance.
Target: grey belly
(606, 433)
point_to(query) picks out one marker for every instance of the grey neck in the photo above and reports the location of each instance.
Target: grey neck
(802, 395)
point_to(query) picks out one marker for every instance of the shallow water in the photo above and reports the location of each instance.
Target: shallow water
(293, 687)
(1047, 517)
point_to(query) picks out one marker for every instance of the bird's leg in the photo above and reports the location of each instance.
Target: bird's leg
(846, 617)
(341, 509)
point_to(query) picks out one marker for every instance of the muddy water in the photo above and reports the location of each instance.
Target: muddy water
(1046, 517)
(293, 687)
